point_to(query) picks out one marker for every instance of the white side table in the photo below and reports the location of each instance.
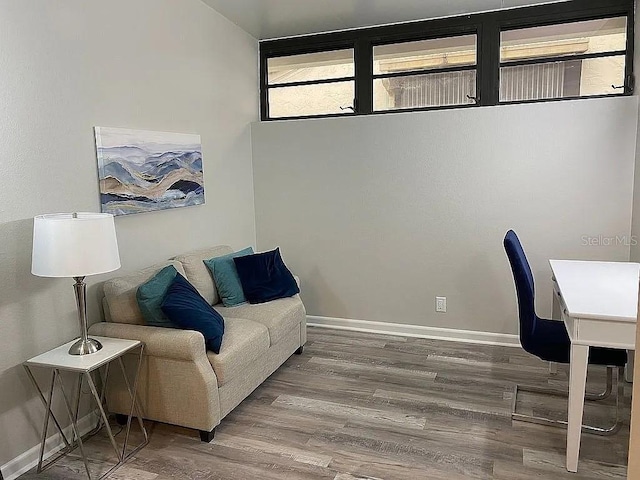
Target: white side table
(59, 360)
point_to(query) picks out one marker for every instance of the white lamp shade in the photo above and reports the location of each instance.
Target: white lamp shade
(74, 245)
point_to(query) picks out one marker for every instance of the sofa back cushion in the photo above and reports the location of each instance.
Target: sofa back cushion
(120, 293)
(197, 272)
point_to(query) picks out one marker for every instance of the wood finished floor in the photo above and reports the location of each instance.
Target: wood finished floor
(367, 406)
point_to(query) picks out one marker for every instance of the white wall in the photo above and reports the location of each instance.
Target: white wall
(380, 214)
(65, 66)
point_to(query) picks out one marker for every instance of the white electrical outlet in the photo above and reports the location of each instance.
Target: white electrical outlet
(441, 304)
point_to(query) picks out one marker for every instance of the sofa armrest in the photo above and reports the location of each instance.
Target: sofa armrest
(177, 384)
(159, 342)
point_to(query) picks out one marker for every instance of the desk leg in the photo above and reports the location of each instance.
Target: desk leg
(577, 385)
(628, 371)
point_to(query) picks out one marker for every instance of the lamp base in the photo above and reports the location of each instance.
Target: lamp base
(85, 347)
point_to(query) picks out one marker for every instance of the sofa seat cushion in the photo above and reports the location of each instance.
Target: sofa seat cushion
(279, 316)
(243, 344)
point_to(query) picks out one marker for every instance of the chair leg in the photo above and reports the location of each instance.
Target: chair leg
(563, 393)
(608, 389)
(207, 436)
(559, 423)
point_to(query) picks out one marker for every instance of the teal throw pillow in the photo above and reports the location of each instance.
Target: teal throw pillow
(151, 294)
(226, 277)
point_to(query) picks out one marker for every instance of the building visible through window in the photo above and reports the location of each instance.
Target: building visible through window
(311, 84)
(568, 60)
(427, 73)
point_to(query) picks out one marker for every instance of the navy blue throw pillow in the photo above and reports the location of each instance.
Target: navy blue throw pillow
(265, 277)
(185, 307)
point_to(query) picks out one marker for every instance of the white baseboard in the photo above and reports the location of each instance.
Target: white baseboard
(448, 334)
(29, 459)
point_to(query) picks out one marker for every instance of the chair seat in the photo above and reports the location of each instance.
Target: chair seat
(554, 346)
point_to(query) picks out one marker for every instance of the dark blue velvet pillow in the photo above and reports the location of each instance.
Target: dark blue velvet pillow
(185, 307)
(265, 277)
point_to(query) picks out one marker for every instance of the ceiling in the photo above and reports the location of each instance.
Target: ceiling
(265, 19)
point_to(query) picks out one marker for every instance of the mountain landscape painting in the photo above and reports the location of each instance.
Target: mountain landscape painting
(143, 171)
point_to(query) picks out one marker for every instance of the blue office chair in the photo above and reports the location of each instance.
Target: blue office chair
(549, 341)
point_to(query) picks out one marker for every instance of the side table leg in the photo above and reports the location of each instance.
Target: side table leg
(134, 404)
(47, 415)
(74, 426)
(78, 394)
(94, 391)
(104, 379)
(44, 403)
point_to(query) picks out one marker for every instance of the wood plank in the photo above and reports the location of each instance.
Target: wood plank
(368, 368)
(252, 445)
(347, 411)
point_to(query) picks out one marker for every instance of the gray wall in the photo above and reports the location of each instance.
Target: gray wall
(67, 65)
(380, 214)
(635, 226)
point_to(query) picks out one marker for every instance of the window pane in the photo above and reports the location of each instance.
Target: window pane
(419, 91)
(425, 54)
(312, 66)
(570, 78)
(322, 99)
(595, 36)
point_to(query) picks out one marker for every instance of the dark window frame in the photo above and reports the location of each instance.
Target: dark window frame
(487, 27)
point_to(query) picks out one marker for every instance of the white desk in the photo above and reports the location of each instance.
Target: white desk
(599, 305)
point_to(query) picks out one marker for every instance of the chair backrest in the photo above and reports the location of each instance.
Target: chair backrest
(525, 289)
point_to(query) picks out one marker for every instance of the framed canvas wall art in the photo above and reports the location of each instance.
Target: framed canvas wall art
(143, 171)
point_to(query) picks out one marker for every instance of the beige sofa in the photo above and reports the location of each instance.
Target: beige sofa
(180, 382)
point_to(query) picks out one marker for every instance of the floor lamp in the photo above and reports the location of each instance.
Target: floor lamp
(75, 245)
